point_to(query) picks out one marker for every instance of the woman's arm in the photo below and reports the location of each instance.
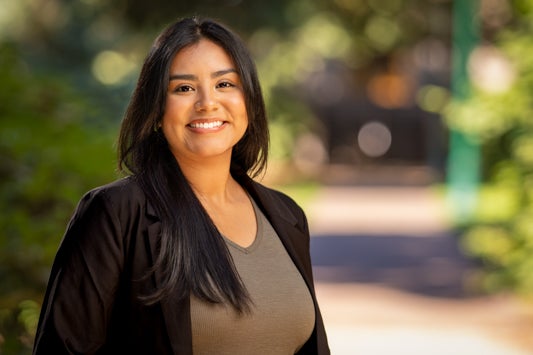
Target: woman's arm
(84, 280)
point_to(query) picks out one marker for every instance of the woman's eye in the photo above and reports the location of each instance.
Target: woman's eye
(183, 88)
(225, 84)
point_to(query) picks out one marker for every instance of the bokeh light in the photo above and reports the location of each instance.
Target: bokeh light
(382, 32)
(374, 139)
(390, 90)
(490, 69)
(111, 67)
(310, 154)
(432, 98)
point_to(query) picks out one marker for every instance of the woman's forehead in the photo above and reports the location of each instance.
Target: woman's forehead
(203, 51)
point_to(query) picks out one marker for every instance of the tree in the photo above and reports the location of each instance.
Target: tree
(498, 115)
(50, 156)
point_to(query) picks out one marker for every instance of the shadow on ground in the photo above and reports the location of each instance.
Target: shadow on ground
(430, 265)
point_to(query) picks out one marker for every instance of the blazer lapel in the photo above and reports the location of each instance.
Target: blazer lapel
(285, 223)
(295, 238)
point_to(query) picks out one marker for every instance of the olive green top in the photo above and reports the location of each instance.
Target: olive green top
(282, 317)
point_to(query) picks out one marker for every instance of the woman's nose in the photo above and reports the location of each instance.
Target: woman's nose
(206, 101)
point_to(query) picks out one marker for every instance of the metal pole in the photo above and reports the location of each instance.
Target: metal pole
(464, 157)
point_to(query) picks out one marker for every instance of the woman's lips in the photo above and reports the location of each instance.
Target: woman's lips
(206, 125)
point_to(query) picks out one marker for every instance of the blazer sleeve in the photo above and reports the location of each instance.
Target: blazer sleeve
(84, 280)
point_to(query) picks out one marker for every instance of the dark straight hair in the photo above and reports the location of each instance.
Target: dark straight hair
(193, 257)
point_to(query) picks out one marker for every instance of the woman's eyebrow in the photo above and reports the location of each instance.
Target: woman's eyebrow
(223, 72)
(193, 77)
(183, 77)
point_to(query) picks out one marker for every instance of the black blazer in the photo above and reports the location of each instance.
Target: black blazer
(91, 304)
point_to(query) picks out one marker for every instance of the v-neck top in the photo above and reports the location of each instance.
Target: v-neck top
(282, 315)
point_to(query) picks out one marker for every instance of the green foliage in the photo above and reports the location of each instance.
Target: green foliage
(501, 235)
(49, 158)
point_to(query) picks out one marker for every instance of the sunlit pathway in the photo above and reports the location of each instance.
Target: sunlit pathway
(378, 321)
(390, 277)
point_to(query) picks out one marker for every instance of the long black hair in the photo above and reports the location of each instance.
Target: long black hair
(193, 257)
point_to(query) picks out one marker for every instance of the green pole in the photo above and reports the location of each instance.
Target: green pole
(464, 157)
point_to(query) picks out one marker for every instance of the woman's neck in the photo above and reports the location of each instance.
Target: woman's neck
(210, 179)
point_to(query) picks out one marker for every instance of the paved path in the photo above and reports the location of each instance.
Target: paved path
(391, 279)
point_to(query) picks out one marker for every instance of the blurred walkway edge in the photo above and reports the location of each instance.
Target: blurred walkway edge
(391, 278)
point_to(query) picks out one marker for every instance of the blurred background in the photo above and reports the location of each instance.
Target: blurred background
(403, 127)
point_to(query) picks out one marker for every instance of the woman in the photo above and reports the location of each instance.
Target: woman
(187, 254)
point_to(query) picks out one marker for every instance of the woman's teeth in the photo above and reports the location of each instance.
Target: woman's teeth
(207, 125)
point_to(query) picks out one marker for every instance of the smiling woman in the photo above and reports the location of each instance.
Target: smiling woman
(205, 113)
(187, 254)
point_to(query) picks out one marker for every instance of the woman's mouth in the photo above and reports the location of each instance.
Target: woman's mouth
(206, 125)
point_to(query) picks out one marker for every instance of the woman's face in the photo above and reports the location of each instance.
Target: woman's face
(205, 113)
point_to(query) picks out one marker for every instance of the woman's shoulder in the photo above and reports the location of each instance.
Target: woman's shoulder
(120, 188)
(275, 199)
(120, 195)
(126, 188)
(275, 194)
